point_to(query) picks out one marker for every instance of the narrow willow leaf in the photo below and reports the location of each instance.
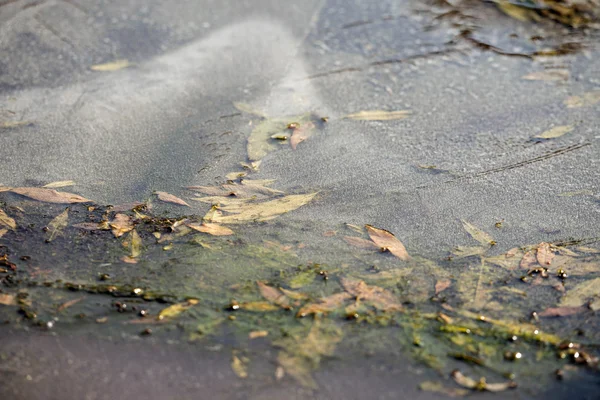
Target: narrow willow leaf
(379, 115)
(136, 244)
(169, 198)
(248, 109)
(239, 368)
(6, 221)
(387, 241)
(264, 211)
(59, 184)
(111, 66)
(176, 309)
(550, 75)
(211, 229)
(59, 223)
(477, 234)
(555, 132)
(50, 195)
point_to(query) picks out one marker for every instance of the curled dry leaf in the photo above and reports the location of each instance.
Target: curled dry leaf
(361, 243)
(324, 305)
(387, 241)
(59, 223)
(586, 99)
(121, 224)
(544, 254)
(50, 195)
(273, 295)
(7, 222)
(477, 234)
(176, 309)
(264, 211)
(211, 229)
(549, 75)
(379, 298)
(379, 115)
(111, 66)
(481, 384)
(169, 198)
(59, 184)
(555, 132)
(8, 299)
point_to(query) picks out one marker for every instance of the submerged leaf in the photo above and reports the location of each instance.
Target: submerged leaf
(387, 241)
(379, 115)
(561, 311)
(301, 133)
(238, 367)
(361, 243)
(248, 109)
(477, 234)
(273, 295)
(6, 221)
(581, 294)
(481, 384)
(111, 66)
(529, 260)
(59, 223)
(549, 75)
(544, 254)
(176, 309)
(211, 229)
(260, 142)
(586, 99)
(442, 285)
(169, 198)
(325, 305)
(264, 211)
(555, 132)
(136, 244)
(378, 297)
(49, 195)
(58, 184)
(468, 251)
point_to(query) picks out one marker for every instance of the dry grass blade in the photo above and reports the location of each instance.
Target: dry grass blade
(111, 66)
(50, 195)
(555, 132)
(438, 387)
(211, 229)
(477, 234)
(6, 221)
(59, 184)
(379, 115)
(169, 198)
(264, 211)
(59, 223)
(387, 241)
(222, 201)
(121, 224)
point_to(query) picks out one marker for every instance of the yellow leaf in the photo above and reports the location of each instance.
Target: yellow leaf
(379, 115)
(514, 11)
(6, 221)
(136, 244)
(264, 211)
(586, 99)
(238, 367)
(176, 309)
(14, 124)
(478, 234)
(58, 184)
(259, 306)
(111, 66)
(211, 229)
(57, 224)
(49, 195)
(257, 334)
(3, 232)
(169, 198)
(555, 132)
(387, 241)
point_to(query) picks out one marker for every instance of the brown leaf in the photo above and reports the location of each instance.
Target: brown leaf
(273, 295)
(529, 260)
(259, 306)
(387, 241)
(129, 260)
(211, 229)
(378, 297)
(325, 305)
(329, 233)
(121, 224)
(6, 221)
(58, 184)
(561, 311)
(294, 295)
(301, 133)
(361, 243)
(442, 285)
(544, 254)
(49, 195)
(68, 304)
(8, 299)
(169, 198)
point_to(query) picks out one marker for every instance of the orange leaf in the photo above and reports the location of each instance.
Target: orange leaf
(386, 240)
